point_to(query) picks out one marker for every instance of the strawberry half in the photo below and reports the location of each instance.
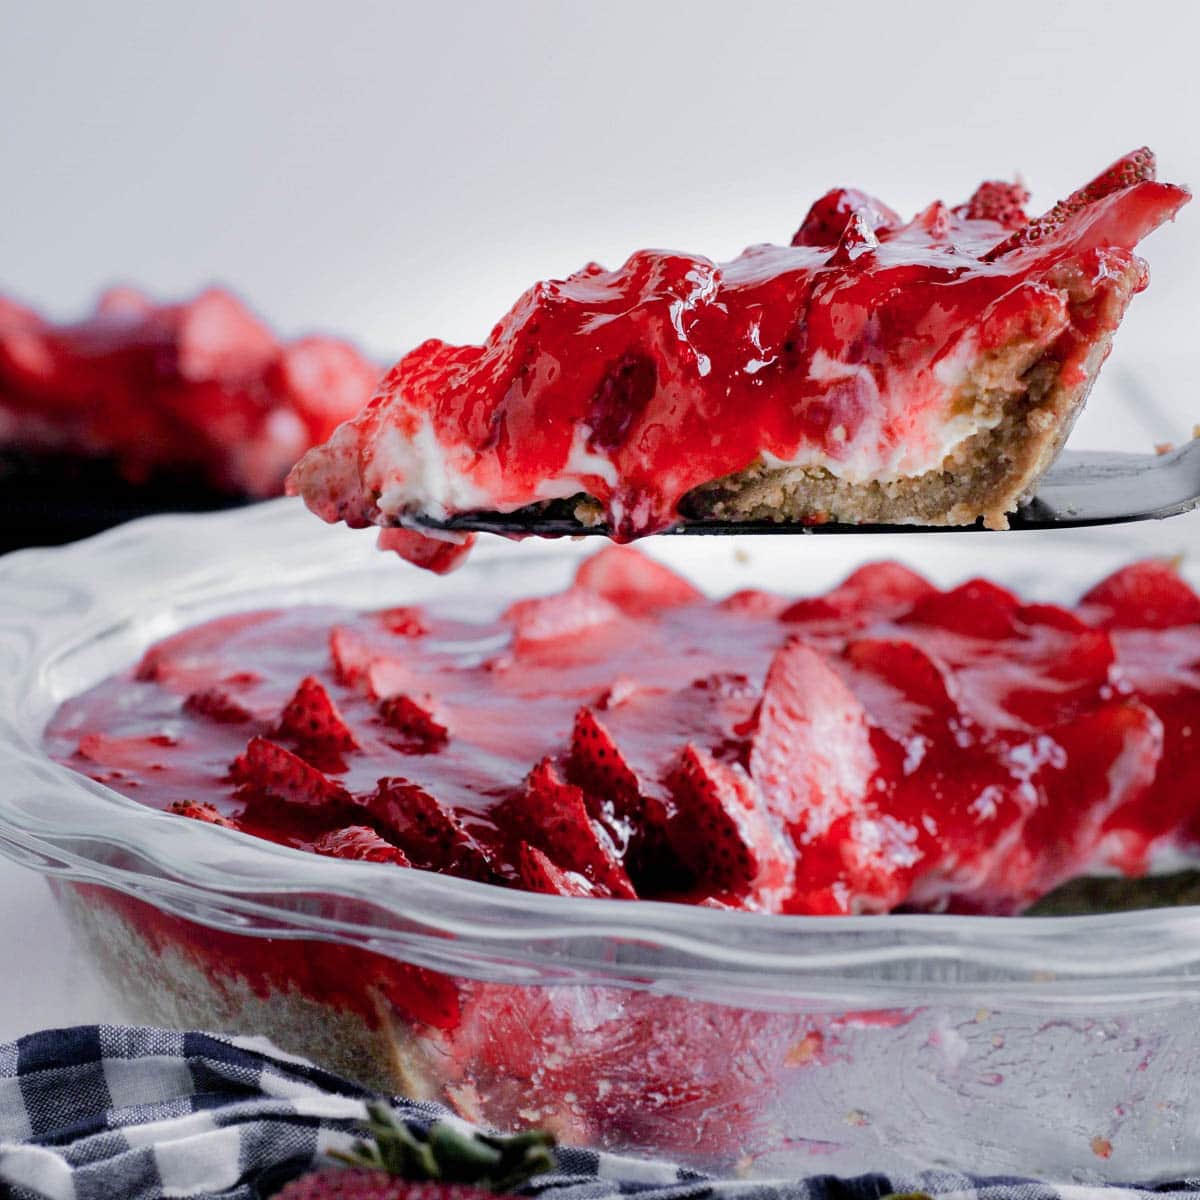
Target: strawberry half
(877, 591)
(826, 221)
(268, 768)
(361, 843)
(810, 750)
(976, 609)
(440, 554)
(634, 583)
(1145, 595)
(312, 719)
(552, 618)
(725, 835)
(551, 814)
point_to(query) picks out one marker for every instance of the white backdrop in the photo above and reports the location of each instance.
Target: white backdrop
(393, 171)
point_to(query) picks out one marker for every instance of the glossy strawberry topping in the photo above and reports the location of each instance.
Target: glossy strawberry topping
(202, 386)
(848, 349)
(886, 744)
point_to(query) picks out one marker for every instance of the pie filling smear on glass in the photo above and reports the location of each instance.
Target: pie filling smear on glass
(875, 370)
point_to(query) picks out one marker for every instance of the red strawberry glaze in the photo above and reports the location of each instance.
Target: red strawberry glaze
(885, 745)
(200, 385)
(635, 386)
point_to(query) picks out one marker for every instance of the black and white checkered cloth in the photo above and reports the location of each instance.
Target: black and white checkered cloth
(102, 1112)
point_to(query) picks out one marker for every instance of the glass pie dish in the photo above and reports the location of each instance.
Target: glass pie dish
(731, 1041)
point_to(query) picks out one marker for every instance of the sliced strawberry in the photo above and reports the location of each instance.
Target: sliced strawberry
(996, 200)
(440, 554)
(724, 834)
(312, 719)
(386, 677)
(569, 614)
(125, 753)
(635, 819)
(1136, 167)
(199, 810)
(974, 609)
(216, 704)
(877, 591)
(431, 836)
(551, 815)
(196, 658)
(595, 763)
(884, 588)
(811, 749)
(372, 669)
(538, 874)
(351, 653)
(1145, 595)
(633, 582)
(278, 773)
(910, 675)
(405, 620)
(827, 219)
(359, 842)
(416, 720)
(754, 603)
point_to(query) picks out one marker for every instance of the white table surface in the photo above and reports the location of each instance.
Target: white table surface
(46, 982)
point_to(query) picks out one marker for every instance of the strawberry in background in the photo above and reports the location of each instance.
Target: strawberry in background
(145, 407)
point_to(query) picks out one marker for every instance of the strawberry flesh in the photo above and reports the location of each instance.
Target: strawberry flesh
(267, 768)
(361, 843)
(311, 718)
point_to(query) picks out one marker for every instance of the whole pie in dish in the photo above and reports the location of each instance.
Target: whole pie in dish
(885, 745)
(163, 399)
(875, 370)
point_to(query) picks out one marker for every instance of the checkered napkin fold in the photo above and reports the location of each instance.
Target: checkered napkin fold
(110, 1113)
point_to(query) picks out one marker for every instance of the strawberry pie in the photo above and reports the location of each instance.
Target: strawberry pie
(200, 391)
(886, 745)
(875, 370)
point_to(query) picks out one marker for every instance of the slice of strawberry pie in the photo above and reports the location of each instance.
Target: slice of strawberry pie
(875, 370)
